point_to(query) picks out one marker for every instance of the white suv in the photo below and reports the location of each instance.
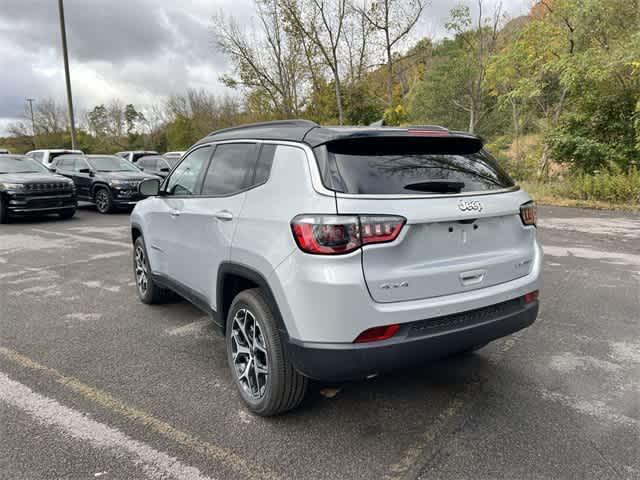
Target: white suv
(339, 253)
(47, 156)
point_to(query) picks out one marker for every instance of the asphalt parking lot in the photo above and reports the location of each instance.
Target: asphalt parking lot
(94, 384)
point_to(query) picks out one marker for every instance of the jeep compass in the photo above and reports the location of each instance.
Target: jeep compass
(339, 253)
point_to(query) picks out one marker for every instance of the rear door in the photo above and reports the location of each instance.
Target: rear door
(463, 229)
(208, 221)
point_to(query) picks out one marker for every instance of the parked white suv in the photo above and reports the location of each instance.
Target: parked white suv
(134, 156)
(339, 253)
(47, 156)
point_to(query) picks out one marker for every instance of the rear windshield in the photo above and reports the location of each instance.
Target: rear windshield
(375, 166)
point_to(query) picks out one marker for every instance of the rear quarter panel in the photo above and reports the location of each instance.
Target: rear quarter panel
(263, 237)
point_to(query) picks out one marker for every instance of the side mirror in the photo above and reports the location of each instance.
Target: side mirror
(52, 169)
(149, 187)
(87, 170)
(164, 169)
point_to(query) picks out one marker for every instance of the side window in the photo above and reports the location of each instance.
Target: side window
(263, 166)
(79, 164)
(231, 169)
(63, 163)
(37, 156)
(163, 166)
(183, 180)
(146, 163)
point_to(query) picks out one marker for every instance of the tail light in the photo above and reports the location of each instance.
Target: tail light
(531, 296)
(528, 213)
(377, 334)
(339, 234)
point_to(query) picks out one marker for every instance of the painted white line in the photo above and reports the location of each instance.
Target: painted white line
(157, 465)
(84, 238)
(241, 466)
(591, 254)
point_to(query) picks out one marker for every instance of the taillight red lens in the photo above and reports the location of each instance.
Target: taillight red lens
(380, 229)
(528, 213)
(377, 334)
(339, 234)
(531, 297)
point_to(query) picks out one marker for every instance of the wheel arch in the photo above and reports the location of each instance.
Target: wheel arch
(232, 279)
(98, 185)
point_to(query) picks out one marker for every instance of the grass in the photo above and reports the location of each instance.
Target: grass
(600, 191)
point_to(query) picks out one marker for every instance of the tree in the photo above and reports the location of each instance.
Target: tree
(321, 22)
(394, 20)
(480, 44)
(268, 63)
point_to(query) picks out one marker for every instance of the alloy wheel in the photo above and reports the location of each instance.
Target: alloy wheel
(142, 273)
(249, 353)
(102, 200)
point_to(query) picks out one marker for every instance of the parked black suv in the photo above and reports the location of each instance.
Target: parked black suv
(157, 164)
(107, 180)
(27, 187)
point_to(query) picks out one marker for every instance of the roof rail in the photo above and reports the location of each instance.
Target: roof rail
(273, 123)
(429, 127)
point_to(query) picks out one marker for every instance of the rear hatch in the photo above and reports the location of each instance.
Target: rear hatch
(463, 229)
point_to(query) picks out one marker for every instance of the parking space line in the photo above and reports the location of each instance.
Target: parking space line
(220, 455)
(84, 238)
(156, 464)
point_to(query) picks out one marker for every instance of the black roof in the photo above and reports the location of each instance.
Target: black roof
(313, 134)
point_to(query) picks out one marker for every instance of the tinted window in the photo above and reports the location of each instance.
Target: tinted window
(231, 169)
(183, 180)
(79, 164)
(64, 163)
(148, 163)
(263, 167)
(409, 166)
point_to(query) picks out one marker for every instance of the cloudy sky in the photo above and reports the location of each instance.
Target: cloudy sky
(139, 51)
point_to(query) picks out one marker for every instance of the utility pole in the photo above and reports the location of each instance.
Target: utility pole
(33, 122)
(63, 32)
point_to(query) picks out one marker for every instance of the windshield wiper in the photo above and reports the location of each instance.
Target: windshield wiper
(436, 186)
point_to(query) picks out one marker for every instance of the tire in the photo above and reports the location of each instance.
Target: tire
(103, 200)
(282, 388)
(67, 214)
(4, 213)
(148, 291)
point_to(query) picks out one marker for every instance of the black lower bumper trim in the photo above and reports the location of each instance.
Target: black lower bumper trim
(342, 362)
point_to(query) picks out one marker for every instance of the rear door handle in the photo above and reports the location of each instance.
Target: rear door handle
(225, 215)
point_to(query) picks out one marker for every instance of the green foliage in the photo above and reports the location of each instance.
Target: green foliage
(611, 186)
(395, 116)
(180, 133)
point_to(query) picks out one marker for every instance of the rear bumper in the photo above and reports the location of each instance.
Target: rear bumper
(416, 342)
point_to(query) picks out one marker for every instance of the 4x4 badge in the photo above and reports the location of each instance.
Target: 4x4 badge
(470, 205)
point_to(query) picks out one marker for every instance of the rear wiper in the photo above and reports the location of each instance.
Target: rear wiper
(436, 186)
